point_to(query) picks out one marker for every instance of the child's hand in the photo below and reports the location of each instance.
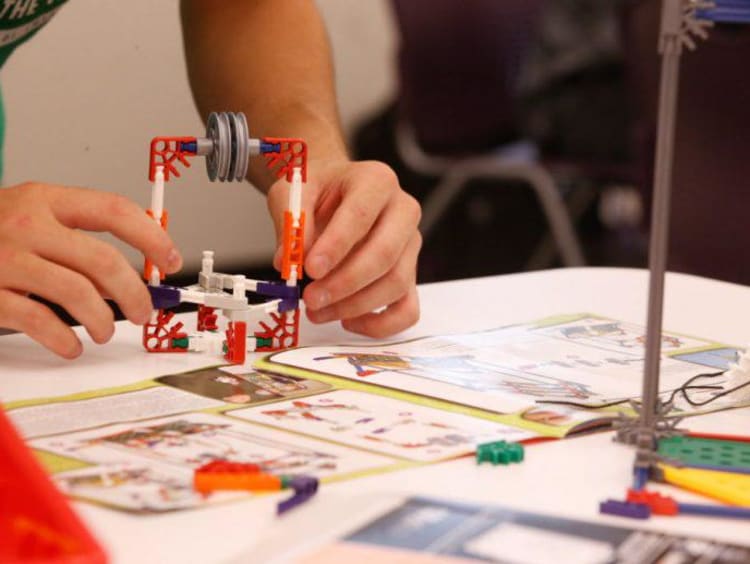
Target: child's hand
(42, 252)
(363, 245)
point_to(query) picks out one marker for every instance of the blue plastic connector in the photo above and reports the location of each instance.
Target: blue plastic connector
(189, 147)
(270, 147)
(625, 509)
(164, 297)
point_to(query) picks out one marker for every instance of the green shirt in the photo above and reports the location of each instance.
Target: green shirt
(20, 20)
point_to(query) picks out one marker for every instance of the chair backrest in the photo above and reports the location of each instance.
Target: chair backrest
(459, 62)
(711, 173)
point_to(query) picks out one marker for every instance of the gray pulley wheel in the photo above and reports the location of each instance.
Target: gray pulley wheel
(231, 149)
(217, 163)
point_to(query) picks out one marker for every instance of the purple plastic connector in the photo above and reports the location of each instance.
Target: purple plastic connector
(625, 509)
(292, 502)
(304, 488)
(277, 290)
(304, 484)
(288, 305)
(164, 297)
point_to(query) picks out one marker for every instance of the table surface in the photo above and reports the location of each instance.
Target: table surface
(566, 478)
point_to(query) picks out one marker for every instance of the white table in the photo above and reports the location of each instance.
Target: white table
(566, 478)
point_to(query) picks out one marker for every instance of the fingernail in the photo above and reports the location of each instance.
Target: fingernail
(174, 261)
(318, 266)
(321, 316)
(320, 300)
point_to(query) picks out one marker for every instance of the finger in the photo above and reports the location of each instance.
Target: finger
(384, 291)
(106, 267)
(364, 197)
(376, 256)
(71, 290)
(19, 313)
(278, 203)
(94, 210)
(396, 317)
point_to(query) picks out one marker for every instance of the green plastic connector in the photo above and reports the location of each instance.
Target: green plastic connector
(263, 342)
(180, 343)
(711, 453)
(500, 452)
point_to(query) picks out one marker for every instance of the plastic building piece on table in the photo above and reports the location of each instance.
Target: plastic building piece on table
(714, 510)
(713, 454)
(659, 504)
(36, 522)
(728, 487)
(305, 487)
(499, 452)
(625, 509)
(227, 148)
(222, 475)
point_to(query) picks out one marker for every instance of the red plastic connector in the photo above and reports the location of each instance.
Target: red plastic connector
(207, 319)
(283, 334)
(659, 504)
(236, 342)
(160, 337)
(167, 152)
(224, 475)
(293, 154)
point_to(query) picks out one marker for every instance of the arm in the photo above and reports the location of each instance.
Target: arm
(271, 60)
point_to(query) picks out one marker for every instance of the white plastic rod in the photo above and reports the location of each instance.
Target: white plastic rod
(295, 196)
(157, 210)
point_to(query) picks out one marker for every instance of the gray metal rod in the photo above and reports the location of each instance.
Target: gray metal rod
(659, 243)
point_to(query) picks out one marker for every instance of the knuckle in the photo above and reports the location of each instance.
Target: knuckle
(384, 174)
(120, 206)
(108, 261)
(413, 208)
(36, 319)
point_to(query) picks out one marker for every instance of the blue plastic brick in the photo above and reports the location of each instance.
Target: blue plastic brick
(270, 147)
(292, 502)
(625, 509)
(288, 305)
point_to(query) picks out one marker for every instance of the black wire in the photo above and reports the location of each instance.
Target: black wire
(681, 390)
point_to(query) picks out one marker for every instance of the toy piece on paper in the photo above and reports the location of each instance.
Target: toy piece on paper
(654, 432)
(227, 148)
(222, 475)
(36, 522)
(550, 376)
(500, 452)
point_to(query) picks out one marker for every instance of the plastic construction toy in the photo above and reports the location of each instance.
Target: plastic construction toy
(227, 148)
(223, 475)
(499, 452)
(36, 522)
(712, 467)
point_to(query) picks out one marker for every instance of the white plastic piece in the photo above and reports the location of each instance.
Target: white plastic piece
(192, 296)
(295, 196)
(238, 286)
(206, 342)
(157, 210)
(292, 280)
(207, 263)
(739, 375)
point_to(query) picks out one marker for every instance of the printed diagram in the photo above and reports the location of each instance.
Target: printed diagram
(465, 371)
(616, 336)
(241, 385)
(148, 465)
(387, 425)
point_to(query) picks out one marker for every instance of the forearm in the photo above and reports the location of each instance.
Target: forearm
(269, 59)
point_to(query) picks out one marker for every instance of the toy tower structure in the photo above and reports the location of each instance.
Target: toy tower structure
(227, 148)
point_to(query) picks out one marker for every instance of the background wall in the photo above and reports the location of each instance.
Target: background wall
(84, 98)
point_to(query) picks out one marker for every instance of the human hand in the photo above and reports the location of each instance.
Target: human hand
(42, 252)
(362, 246)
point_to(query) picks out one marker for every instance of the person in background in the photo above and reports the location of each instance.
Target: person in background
(362, 227)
